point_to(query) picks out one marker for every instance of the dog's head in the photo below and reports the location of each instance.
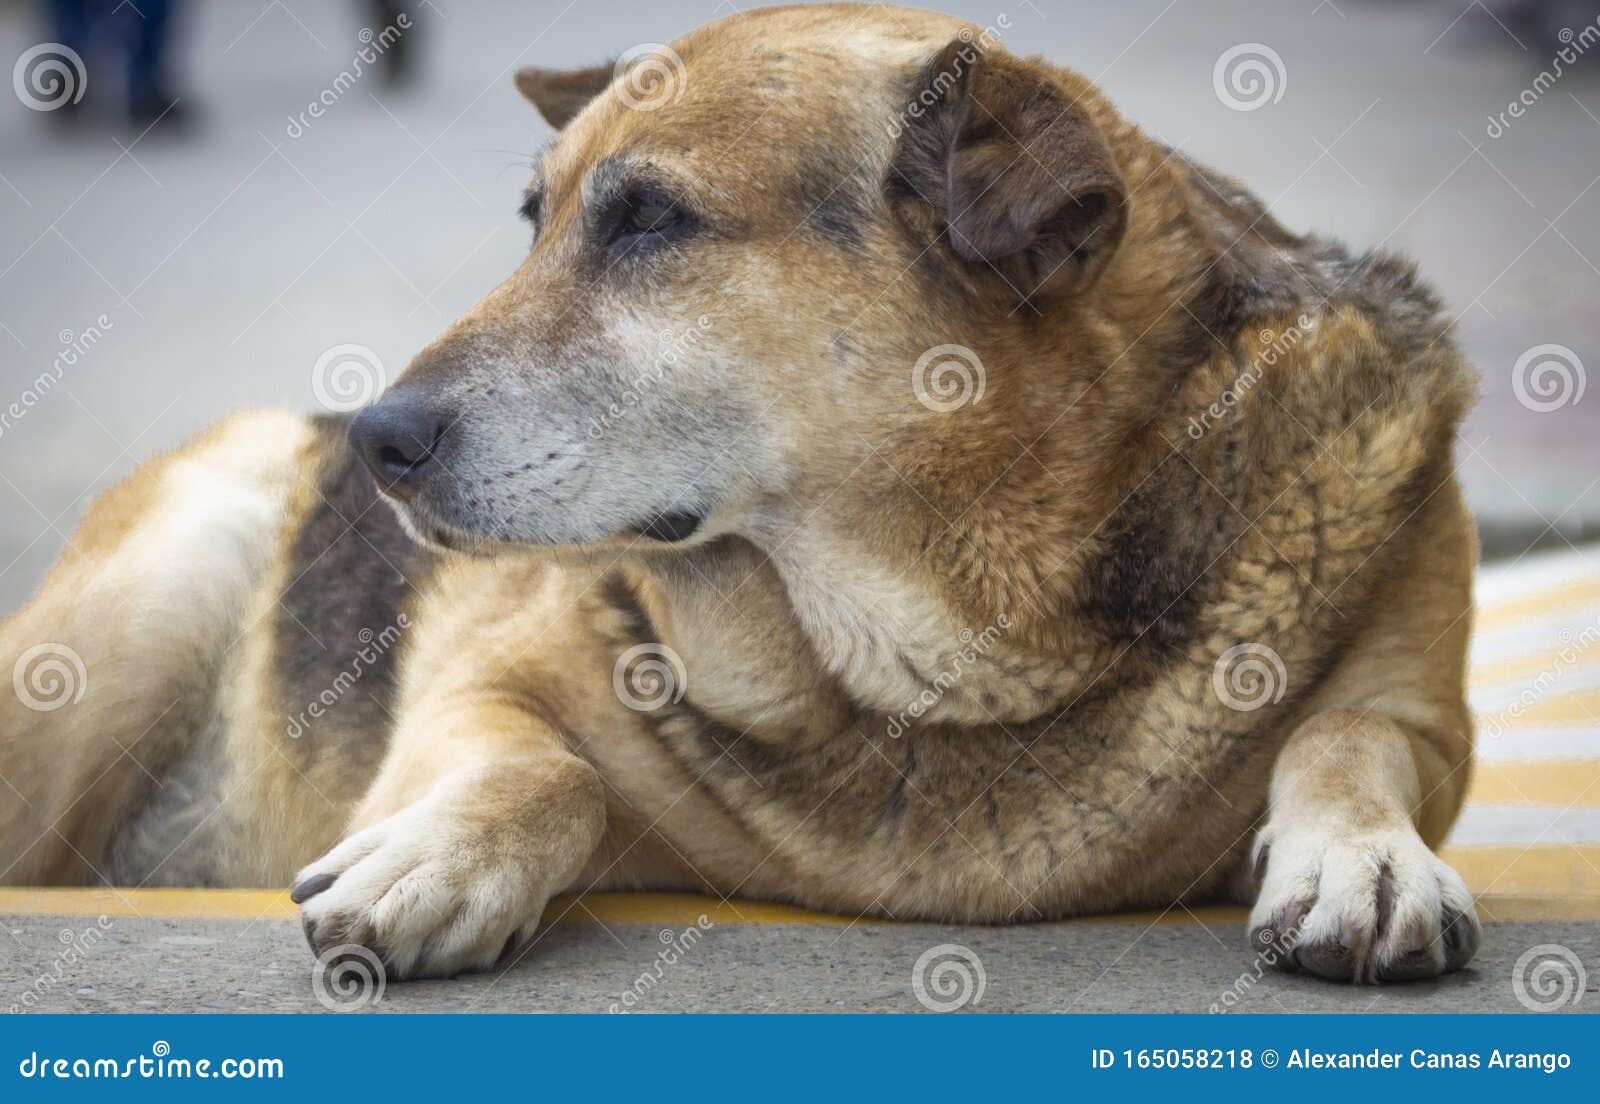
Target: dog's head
(790, 242)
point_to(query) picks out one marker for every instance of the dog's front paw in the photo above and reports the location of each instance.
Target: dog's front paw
(433, 891)
(1360, 906)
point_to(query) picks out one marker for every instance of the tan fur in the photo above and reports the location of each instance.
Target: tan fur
(1078, 758)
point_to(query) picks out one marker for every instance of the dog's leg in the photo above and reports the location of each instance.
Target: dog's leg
(479, 816)
(1349, 889)
(1372, 779)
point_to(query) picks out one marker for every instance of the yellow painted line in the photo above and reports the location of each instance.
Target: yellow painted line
(1531, 606)
(1525, 886)
(1570, 783)
(1555, 871)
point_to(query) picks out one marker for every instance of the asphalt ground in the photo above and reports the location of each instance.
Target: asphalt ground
(188, 964)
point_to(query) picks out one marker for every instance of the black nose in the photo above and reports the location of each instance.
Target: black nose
(397, 438)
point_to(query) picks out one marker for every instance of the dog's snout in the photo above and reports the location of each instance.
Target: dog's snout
(398, 439)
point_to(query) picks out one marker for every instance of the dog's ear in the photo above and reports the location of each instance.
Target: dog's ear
(1021, 177)
(560, 94)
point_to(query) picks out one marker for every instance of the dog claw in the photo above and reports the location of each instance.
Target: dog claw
(312, 886)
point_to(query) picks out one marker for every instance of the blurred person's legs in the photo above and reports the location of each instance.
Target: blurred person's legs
(148, 36)
(69, 25)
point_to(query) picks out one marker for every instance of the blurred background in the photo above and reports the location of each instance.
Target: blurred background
(200, 200)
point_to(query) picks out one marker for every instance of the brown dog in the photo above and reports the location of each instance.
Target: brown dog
(892, 483)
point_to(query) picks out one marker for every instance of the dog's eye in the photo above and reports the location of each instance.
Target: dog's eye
(644, 217)
(532, 207)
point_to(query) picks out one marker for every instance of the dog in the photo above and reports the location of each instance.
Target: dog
(892, 484)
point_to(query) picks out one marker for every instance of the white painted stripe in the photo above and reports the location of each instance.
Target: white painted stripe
(1522, 825)
(1543, 634)
(1535, 574)
(1532, 745)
